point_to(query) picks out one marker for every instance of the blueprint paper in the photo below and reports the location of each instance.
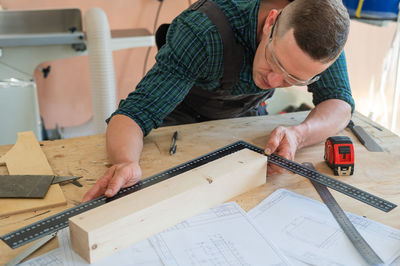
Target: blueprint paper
(305, 229)
(52, 258)
(223, 235)
(141, 253)
(396, 262)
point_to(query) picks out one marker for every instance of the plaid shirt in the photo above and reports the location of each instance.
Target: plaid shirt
(193, 55)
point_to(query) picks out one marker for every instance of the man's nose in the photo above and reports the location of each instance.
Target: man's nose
(275, 79)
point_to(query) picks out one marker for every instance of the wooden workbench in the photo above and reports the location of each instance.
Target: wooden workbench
(377, 173)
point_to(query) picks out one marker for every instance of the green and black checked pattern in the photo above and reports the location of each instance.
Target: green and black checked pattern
(193, 55)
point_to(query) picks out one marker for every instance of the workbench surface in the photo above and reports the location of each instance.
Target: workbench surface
(375, 172)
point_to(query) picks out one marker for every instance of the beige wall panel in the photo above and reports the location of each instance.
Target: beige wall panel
(365, 50)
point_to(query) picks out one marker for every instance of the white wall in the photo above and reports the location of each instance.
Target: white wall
(365, 50)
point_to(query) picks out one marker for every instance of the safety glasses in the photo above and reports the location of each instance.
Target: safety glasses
(278, 68)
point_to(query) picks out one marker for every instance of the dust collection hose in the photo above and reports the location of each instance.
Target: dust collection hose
(104, 94)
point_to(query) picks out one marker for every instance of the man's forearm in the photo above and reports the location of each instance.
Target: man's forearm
(124, 140)
(325, 120)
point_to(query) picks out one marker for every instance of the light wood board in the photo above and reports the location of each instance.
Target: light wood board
(104, 230)
(26, 158)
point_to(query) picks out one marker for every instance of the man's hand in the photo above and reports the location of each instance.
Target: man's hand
(124, 145)
(284, 141)
(116, 177)
(326, 119)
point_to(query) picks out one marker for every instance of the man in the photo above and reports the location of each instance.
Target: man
(277, 44)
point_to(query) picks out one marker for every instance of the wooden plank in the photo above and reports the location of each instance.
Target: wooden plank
(24, 158)
(104, 230)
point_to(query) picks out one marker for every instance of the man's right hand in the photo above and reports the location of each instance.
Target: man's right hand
(116, 177)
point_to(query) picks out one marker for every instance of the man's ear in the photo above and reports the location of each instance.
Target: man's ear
(269, 21)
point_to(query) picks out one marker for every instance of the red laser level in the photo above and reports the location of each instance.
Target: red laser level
(339, 155)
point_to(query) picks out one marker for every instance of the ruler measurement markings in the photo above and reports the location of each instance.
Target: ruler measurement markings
(344, 222)
(60, 220)
(332, 183)
(103, 200)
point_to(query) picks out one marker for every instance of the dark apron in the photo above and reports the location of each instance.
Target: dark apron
(201, 105)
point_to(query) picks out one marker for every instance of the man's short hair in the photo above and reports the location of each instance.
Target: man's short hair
(321, 27)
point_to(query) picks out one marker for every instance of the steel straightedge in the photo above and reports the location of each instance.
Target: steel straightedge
(344, 222)
(59, 221)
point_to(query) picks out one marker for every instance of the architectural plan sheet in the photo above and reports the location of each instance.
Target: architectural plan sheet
(305, 229)
(51, 258)
(300, 227)
(223, 235)
(140, 254)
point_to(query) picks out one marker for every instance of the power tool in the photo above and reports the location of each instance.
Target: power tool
(339, 155)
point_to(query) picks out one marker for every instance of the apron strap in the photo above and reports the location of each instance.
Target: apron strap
(233, 52)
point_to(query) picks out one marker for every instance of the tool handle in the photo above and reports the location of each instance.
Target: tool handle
(350, 124)
(172, 150)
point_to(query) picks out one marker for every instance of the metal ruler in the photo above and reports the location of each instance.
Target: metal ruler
(344, 222)
(24, 254)
(58, 221)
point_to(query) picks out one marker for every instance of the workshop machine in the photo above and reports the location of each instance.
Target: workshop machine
(31, 37)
